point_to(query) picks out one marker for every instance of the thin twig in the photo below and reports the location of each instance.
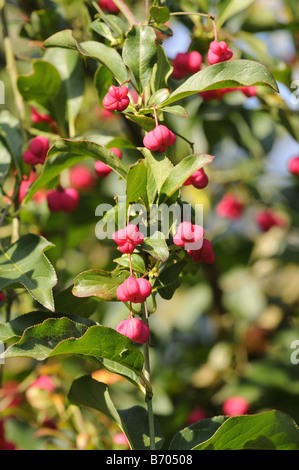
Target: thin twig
(205, 15)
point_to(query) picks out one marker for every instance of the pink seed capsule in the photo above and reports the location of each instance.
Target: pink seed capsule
(108, 6)
(2, 297)
(187, 233)
(128, 238)
(199, 179)
(219, 52)
(159, 139)
(134, 329)
(230, 207)
(235, 406)
(63, 200)
(134, 290)
(116, 99)
(204, 255)
(293, 166)
(37, 152)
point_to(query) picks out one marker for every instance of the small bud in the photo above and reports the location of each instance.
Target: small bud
(134, 329)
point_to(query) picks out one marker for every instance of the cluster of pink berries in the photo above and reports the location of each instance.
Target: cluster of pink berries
(37, 151)
(191, 237)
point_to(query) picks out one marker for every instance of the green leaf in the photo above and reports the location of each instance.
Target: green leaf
(140, 53)
(69, 65)
(136, 182)
(229, 8)
(156, 246)
(198, 432)
(161, 71)
(55, 337)
(42, 85)
(175, 110)
(93, 49)
(169, 279)
(181, 172)
(24, 263)
(98, 283)
(147, 123)
(103, 79)
(133, 421)
(271, 430)
(160, 166)
(11, 136)
(160, 14)
(138, 263)
(66, 302)
(14, 329)
(234, 73)
(67, 153)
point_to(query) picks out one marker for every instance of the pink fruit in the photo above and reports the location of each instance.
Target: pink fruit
(230, 207)
(186, 63)
(109, 6)
(102, 170)
(188, 235)
(134, 290)
(134, 329)
(116, 99)
(194, 60)
(248, 91)
(205, 254)
(235, 406)
(293, 166)
(63, 200)
(159, 139)
(44, 382)
(37, 152)
(39, 196)
(120, 439)
(268, 218)
(199, 179)
(196, 415)
(81, 178)
(37, 117)
(128, 238)
(218, 52)
(2, 297)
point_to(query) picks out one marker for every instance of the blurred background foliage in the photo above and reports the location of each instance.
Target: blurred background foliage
(227, 330)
